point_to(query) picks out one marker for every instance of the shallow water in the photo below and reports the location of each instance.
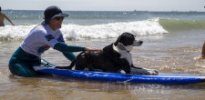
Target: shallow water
(168, 53)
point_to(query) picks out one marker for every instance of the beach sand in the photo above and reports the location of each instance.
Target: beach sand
(152, 54)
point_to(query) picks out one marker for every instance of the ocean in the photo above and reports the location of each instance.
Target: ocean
(172, 44)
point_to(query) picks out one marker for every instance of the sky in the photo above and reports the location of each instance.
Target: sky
(106, 5)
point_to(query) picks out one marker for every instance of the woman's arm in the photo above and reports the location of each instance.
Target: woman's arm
(8, 19)
(62, 47)
(203, 51)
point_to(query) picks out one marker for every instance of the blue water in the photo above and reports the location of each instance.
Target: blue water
(106, 24)
(98, 17)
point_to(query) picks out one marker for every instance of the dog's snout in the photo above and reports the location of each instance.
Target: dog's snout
(140, 42)
(137, 43)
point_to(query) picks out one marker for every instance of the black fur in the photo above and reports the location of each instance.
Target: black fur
(126, 38)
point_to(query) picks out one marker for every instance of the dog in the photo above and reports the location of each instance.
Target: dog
(115, 57)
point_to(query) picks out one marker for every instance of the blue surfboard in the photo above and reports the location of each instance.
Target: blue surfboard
(127, 78)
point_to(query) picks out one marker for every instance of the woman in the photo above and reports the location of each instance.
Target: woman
(2, 17)
(40, 39)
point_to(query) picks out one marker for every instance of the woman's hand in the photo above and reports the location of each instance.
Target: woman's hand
(92, 49)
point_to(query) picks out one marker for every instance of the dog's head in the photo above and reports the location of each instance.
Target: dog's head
(126, 41)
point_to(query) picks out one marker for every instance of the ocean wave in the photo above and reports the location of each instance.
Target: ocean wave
(13, 33)
(98, 31)
(174, 25)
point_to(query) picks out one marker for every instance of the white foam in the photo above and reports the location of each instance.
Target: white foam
(14, 32)
(99, 31)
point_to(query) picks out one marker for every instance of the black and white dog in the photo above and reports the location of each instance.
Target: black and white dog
(113, 58)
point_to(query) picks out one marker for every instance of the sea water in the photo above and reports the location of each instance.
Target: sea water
(172, 44)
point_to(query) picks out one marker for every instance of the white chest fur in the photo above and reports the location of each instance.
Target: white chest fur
(124, 54)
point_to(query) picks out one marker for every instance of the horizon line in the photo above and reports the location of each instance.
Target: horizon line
(114, 10)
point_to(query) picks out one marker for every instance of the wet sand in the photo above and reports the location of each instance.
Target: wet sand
(167, 55)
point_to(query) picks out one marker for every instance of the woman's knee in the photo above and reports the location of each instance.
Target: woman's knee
(22, 70)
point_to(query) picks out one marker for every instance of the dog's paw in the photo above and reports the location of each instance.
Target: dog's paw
(151, 72)
(145, 71)
(122, 72)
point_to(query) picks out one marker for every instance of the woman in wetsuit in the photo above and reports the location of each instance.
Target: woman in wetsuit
(40, 39)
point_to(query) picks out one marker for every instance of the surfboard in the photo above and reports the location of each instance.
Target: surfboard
(162, 78)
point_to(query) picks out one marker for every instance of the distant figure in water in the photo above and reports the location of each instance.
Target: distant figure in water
(2, 17)
(203, 51)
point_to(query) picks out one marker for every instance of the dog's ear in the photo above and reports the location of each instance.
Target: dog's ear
(125, 38)
(118, 40)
